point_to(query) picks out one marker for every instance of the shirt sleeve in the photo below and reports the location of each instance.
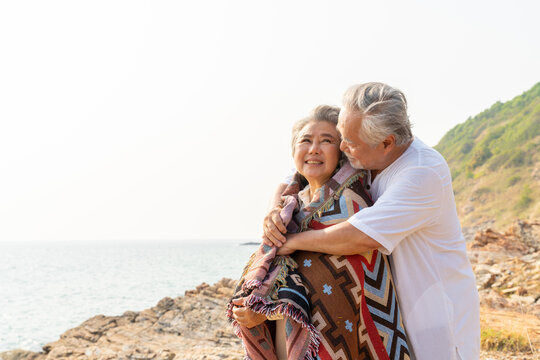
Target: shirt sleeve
(411, 202)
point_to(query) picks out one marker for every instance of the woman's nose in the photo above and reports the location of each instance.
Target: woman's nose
(314, 148)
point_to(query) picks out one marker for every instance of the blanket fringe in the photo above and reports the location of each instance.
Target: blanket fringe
(251, 284)
(268, 308)
(286, 264)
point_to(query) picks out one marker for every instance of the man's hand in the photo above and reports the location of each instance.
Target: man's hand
(274, 229)
(246, 317)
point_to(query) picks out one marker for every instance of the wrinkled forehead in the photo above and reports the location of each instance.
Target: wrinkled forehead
(319, 128)
(348, 120)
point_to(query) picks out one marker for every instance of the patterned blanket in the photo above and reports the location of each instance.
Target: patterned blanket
(335, 307)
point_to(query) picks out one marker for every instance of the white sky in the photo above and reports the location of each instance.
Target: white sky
(131, 119)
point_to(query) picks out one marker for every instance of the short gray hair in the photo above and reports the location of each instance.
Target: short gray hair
(383, 110)
(320, 113)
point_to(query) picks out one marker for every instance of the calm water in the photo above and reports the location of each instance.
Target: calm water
(47, 288)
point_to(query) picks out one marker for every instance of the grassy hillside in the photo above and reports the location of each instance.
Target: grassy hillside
(494, 158)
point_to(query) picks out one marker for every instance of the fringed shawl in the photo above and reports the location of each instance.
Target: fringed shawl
(335, 307)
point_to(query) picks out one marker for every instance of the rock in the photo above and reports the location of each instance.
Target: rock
(507, 266)
(62, 351)
(493, 241)
(19, 355)
(493, 300)
(481, 269)
(171, 322)
(522, 300)
(202, 287)
(225, 291)
(147, 315)
(165, 355)
(139, 352)
(468, 209)
(485, 281)
(126, 318)
(165, 304)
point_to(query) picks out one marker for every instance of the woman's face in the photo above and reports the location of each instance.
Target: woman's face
(316, 152)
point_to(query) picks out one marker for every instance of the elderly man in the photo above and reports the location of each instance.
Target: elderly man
(414, 219)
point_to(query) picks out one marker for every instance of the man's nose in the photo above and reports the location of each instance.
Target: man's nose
(342, 145)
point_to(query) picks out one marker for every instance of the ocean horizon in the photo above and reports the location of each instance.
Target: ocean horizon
(47, 288)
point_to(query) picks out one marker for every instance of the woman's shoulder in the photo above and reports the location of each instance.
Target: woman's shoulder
(356, 180)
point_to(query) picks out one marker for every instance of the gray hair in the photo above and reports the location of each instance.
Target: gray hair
(320, 113)
(383, 110)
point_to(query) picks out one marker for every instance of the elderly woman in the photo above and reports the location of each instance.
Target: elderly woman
(310, 305)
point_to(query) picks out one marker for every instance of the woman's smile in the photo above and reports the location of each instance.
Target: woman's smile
(316, 152)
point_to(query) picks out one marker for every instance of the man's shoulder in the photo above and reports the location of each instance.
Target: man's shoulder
(420, 155)
(425, 154)
(419, 161)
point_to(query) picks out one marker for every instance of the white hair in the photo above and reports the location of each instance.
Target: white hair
(320, 113)
(383, 110)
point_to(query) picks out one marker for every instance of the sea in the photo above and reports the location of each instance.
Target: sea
(47, 288)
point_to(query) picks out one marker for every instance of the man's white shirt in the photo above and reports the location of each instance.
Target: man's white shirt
(414, 218)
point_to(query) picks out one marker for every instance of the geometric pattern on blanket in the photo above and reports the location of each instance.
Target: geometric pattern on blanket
(364, 282)
(369, 306)
(353, 301)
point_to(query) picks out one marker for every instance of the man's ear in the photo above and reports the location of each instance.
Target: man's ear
(389, 142)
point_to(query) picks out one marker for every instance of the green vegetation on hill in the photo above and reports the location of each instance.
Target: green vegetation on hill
(494, 160)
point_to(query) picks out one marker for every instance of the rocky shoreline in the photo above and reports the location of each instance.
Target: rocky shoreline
(194, 326)
(507, 269)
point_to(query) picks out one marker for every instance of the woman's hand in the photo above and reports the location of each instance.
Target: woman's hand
(245, 316)
(274, 229)
(286, 249)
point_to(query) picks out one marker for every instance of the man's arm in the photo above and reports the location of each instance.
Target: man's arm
(340, 239)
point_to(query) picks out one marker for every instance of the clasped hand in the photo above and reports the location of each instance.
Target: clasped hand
(245, 316)
(274, 235)
(274, 229)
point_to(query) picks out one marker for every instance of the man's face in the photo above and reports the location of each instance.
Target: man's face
(360, 154)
